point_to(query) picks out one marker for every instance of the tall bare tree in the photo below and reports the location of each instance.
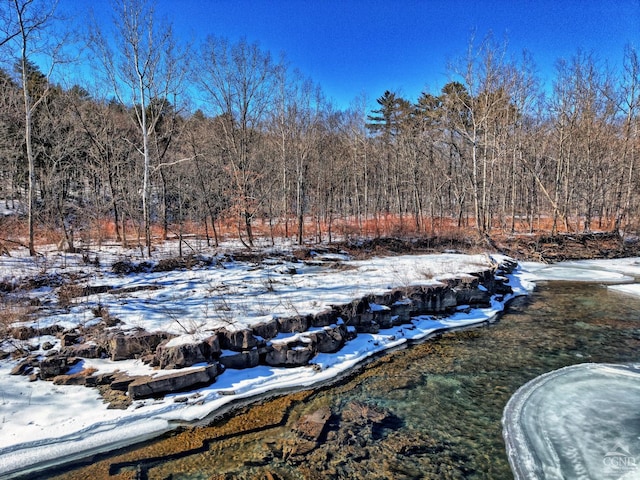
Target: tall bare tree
(239, 81)
(29, 30)
(144, 65)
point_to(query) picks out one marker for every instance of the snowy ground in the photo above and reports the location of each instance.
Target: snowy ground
(43, 424)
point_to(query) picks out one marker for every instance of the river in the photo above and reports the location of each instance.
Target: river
(431, 411)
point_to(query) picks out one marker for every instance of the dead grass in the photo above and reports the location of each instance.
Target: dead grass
(14, 229)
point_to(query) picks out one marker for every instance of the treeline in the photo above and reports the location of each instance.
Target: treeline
(200, 139)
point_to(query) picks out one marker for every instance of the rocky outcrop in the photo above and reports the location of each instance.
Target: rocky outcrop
(55, 365)
(240, 360)
(329, 339)
(285, 341)
(123, 346)
(145, 387)
(237, 340)
(186, 354)
(291, 354)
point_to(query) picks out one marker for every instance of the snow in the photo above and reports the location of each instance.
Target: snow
(43, 424)
(576, 422)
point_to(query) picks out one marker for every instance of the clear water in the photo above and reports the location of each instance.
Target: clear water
(431, 411)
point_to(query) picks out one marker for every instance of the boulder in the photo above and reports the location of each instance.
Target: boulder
(239, 360)
(124, 346)
(325, 318)
(308, 431)
(266, 330)
(145, 387)
(401, 311)
(55, 365)
(179, 356)
(291, 354)
(25, 367)
(329, 339)
(24, 333)
(237, 340)
(295, 324)
(432, 299)
(120, 381)
(84, 350)
(382, 315)
(187, 354)
(311, 427)
(69, 339)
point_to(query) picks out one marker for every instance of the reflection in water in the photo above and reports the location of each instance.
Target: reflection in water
(429, 411)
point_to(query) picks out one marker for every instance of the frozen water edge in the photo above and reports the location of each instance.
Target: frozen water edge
(46, 439)
(580, 421)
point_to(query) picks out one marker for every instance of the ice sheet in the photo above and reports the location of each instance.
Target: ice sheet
(579, 422)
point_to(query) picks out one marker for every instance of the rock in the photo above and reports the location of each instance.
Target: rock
(145, 387)
(295, 324)
(25, 367)
(104, 378)
(47, 346)
(237, 340)
(291, 354)
(401, 311)
(124, 346)
(55, 365)
(69, 339)
(325, 318)
(309, 431)
(246, 359)
(360, 412)
(432, 299)
(329, 339)
(24, 333)
(313, 426)
(76, 379)
(266, 330)
(187, 354)
(84, 350)
(121, 382)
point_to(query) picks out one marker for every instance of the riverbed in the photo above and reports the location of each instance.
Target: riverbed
(429, 411)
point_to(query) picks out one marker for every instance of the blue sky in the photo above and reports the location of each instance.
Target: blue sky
(353, 47)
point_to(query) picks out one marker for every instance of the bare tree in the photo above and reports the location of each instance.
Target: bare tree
(29, 31)
(629, 107)
(239, 81)
(143, 66)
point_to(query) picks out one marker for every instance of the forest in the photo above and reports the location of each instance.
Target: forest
(222, 140)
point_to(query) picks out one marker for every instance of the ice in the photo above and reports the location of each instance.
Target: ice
(579, 422)
(633, 289)
(581, 271)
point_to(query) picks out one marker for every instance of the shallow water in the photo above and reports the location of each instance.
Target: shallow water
(430, 411)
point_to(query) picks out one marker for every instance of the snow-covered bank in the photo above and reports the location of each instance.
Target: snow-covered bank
(44, 424)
